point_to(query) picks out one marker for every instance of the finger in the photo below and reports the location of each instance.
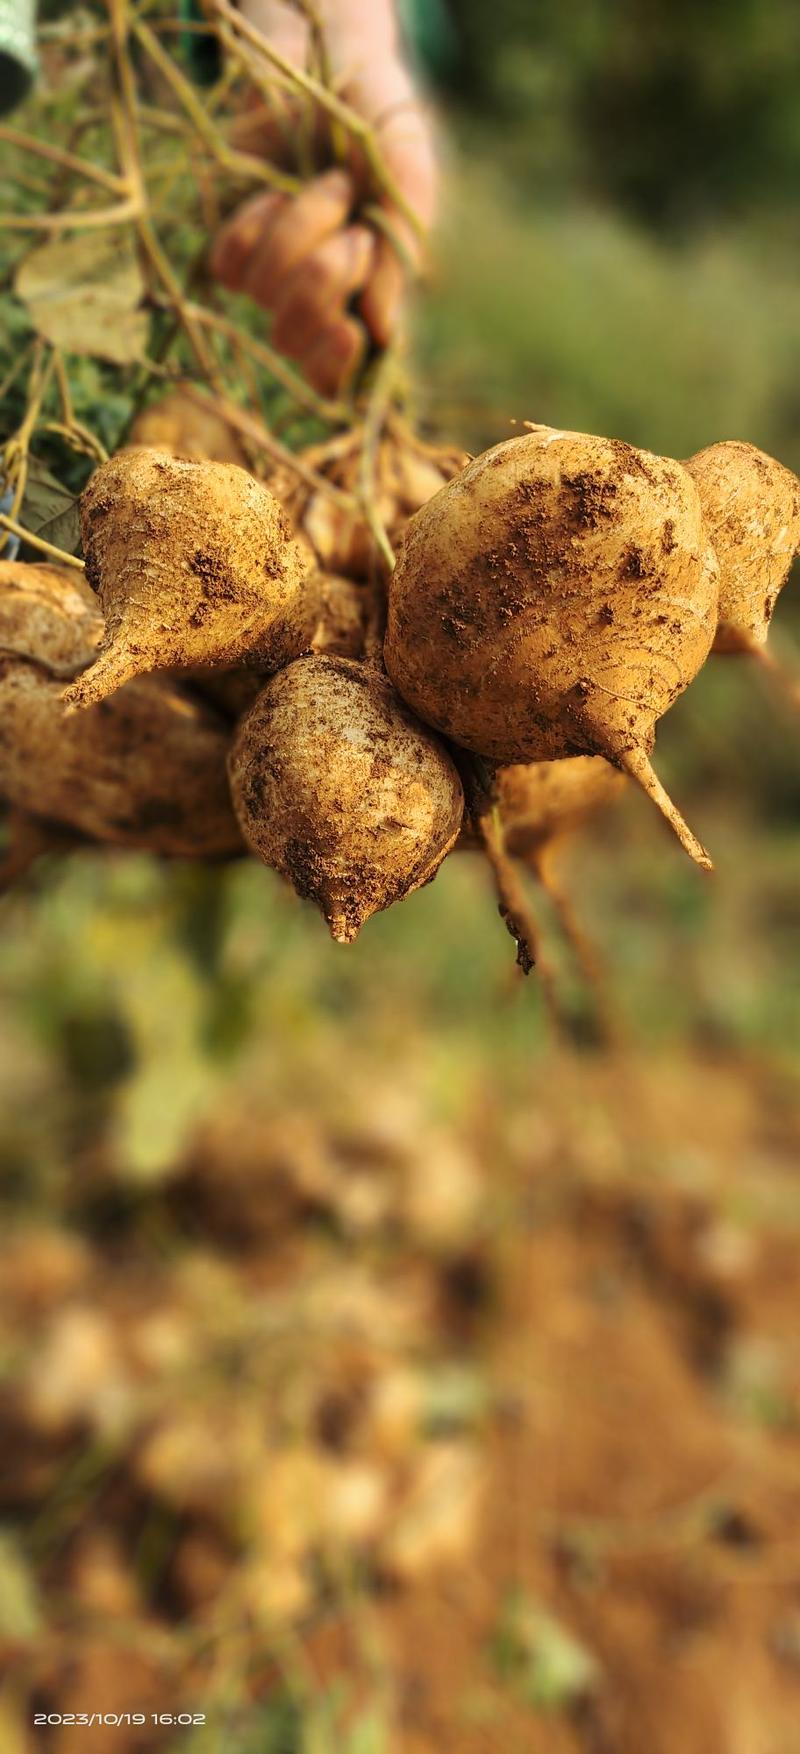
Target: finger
(318, 291)
(298, 228)
(381, 302)
(239, 236)
(335, 356)
(407, 147)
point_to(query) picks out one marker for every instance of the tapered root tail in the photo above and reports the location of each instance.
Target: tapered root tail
(104, 677)
(343, 928)
(635, 763)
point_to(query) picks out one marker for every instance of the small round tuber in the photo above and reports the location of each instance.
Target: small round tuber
(339, 788)
(751, 506)
(554, 599)
(194, 564)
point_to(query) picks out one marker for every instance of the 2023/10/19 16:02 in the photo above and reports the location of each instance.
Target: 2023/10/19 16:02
(119, 1719)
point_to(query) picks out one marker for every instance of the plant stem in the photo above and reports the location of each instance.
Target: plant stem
(58, 554)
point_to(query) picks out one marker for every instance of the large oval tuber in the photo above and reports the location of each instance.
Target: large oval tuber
(553, 600)
(193, 564)
(339, 788)
(751, 506)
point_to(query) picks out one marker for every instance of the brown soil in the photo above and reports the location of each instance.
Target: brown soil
(643, 1464)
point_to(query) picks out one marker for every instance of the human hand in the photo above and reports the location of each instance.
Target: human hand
(332, 281)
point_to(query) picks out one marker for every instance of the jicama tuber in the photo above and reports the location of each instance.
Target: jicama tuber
(145, 769)
(187, 427)
(193, 564)
(554, 600)
(350, 616)
(339, 788)
(541, 807)
(751, 506)
(49, 614)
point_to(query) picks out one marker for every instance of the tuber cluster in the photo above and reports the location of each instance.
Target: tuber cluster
(351, 724)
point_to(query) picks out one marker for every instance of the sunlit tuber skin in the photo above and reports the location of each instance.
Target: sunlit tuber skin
(145, 769)
(49, 614)
(186, 427)
(751, 506)
(338, 787)
(193, 564)
(553, 600)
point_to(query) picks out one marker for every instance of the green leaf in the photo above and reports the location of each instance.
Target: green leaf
(48, 510)
(84, 294)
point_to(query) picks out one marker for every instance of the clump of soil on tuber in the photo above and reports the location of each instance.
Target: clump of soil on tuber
(751, 505)
(193, 564)
(554, 600)
(338, 787)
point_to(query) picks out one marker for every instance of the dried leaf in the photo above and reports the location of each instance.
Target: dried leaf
(48, 510)
(83, 294)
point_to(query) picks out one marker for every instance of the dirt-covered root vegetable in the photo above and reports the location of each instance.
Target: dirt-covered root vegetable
(145, 769)
(553, 600)
(751, 506)
(544, 801)
(338, 787)
(193, 564)
(351, 616)
(187, 426)
(48, 614)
